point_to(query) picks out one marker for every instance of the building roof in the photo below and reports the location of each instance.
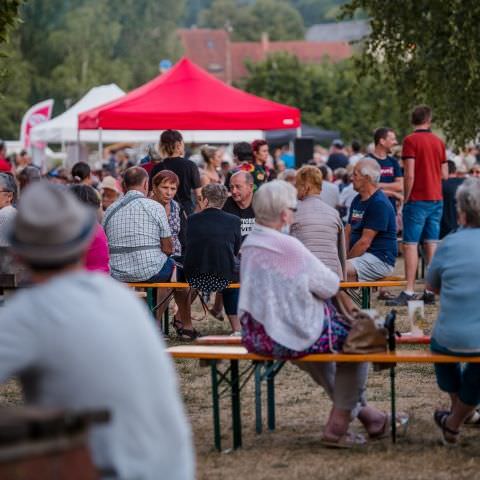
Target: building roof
(212, 50)
(349, 31)
(306, 52)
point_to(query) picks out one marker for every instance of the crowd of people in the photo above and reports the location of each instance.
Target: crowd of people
(288, 235)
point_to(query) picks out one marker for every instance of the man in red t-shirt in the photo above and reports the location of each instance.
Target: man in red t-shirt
(4, 164)
(425, 165)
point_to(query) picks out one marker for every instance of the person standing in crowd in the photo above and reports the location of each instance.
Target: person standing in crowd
(260, 157)
(425, 164)
(371, 232)
(337, 157)
(5, 165)
(172, 149)
(97, 258)
(212, 157)
(79, 340)
(391, 177)
(330, 193)
(28, 175)
(212, 247)
(449, 222)
(8, 198)
(151, 159)
(316, 224)
(240, 201)
(109, 191)
(244, 157)
(456, 332)
(356, 153)
(81, 173)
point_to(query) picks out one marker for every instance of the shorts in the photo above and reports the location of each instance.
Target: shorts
(370, 268)
(421, 221)
(165, 274)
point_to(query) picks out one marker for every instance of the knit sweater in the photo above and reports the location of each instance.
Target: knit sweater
(283, 287)
(319, 228)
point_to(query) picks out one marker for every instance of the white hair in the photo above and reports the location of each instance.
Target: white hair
(468, 201)
(370, 168)
(272, 199)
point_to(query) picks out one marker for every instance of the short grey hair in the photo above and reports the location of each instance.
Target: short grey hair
(216, 194)
(8, 184)
(249, 180)
(271, 199)
(468, 201)
(370, 168)
(288, 174)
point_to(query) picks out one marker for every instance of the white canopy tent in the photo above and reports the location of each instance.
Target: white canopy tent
(64, 128)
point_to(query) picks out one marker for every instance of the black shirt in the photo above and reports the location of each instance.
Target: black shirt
(449, 216)
(337, 160)
(188, 175)
(247, 216)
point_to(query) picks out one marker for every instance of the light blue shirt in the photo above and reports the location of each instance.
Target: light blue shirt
(455, 270)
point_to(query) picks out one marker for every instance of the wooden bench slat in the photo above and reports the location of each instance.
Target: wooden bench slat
(206, 352)
(380, 283)
(229, 340)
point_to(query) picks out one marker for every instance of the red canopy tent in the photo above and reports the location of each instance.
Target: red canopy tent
(189, 98)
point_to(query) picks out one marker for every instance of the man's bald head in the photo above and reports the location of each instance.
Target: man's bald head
(241, 187)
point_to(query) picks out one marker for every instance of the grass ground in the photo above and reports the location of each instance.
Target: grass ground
(294, 451)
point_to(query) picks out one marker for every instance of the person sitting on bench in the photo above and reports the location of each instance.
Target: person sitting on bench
(286, 312)
(456, 331)
(371, 232)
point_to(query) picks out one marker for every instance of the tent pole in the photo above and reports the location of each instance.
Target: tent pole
(100, 145)
(299, 132)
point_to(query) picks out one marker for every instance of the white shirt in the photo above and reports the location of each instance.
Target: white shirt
(88, 342)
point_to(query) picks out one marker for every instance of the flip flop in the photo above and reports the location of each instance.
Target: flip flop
(449, 436)
(402, 421)
(346, 441)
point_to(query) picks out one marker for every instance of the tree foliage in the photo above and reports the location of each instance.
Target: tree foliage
(8, 17)
(429, 48)
(333, 96)
(247, 21)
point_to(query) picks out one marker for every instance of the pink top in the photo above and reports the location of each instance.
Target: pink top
(98, 257)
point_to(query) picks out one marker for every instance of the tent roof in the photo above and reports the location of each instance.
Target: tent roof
(63, 128)
(189, 98)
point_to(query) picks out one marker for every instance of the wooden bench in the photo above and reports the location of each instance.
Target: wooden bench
(359, 291)
(265, 368)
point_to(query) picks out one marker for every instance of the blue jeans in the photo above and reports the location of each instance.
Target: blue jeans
(165, 274)
(421, 221)
(455, 378)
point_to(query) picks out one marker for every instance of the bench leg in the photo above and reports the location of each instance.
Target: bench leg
(258, 397)
(215, 406)
(271, 397)
(393, 412)
(166, 323)
(236, 415)
(151, 298)
(366, 297)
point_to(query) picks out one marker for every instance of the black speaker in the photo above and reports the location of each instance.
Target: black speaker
(303, 151)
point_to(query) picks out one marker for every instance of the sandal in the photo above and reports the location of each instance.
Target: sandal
(187, 335)
(449, 436)
(346, 441)
(215, 314)
(402, 421)
(473, 421)
(386, 295)
(177, 324)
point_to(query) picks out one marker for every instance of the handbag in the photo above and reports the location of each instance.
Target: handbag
(367, 334)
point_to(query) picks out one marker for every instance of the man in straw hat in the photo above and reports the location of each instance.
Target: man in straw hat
(81, 340)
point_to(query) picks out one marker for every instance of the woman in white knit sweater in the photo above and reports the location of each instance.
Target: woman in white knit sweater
(286, 312)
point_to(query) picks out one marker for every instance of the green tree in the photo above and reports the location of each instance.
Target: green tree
(8, 17)
(430, 51)
(332, 96)
(247, 21)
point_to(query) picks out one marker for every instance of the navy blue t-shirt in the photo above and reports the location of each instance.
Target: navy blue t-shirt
(375, 213)
(390, 171)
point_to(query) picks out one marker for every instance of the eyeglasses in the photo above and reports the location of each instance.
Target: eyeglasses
(293, 209)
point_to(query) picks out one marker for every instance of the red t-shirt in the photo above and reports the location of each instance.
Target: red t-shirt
(429, 154)
(4, 165)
